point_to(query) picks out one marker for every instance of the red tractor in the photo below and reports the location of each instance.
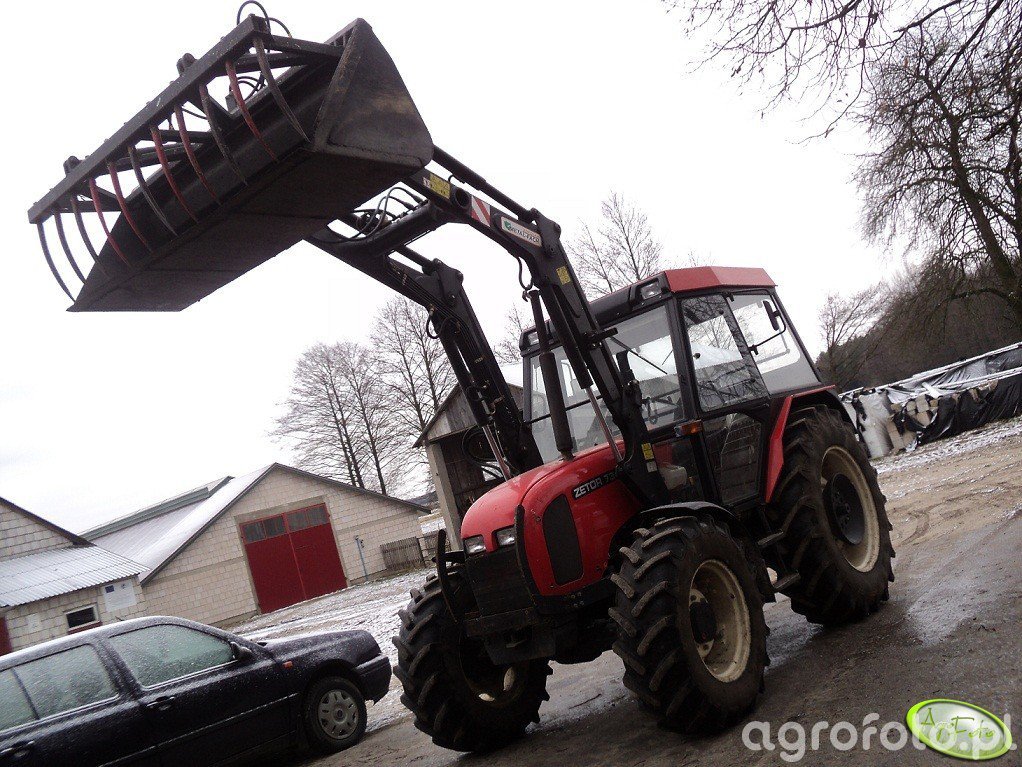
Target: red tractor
(676, 442)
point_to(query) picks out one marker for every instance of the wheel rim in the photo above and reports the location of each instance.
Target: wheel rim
(489, 682)
(338, 714)
(720, 621)
(850, 509)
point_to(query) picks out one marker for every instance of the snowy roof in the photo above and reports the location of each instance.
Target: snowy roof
(44, 574)
(156, 534)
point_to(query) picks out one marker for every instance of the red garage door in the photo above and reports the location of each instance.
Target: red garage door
(292, 557)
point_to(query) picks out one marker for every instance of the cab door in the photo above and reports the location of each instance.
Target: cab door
(730, 394)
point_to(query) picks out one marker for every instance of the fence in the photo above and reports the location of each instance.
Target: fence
(407, 554)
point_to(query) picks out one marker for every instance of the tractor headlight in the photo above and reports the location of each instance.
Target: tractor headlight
(505, 536)
(474, 545)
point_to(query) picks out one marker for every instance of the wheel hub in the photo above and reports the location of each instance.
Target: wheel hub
(844, 507)
(338, 714)
(704, 621)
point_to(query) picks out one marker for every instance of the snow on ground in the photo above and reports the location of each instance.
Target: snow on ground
(431, 523)
(370, 606)
(942, 450)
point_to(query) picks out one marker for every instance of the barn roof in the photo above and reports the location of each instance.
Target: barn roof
(153, 536)
(44, 574)
(454, 416)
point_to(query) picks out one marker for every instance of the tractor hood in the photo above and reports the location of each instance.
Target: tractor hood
(534, 490)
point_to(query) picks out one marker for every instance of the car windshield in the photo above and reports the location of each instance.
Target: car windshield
(643, 344)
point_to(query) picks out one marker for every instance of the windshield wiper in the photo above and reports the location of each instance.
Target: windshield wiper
(629, 349)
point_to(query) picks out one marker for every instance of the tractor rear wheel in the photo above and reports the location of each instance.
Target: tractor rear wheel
(838, 535)
(460, 698)
(691, 631)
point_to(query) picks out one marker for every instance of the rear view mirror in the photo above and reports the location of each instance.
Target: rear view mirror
(773, 314)
(240, 652)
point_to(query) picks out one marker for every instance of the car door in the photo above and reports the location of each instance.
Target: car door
(207, 703)
(66, 708)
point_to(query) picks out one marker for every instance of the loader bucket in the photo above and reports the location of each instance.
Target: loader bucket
(256, 145)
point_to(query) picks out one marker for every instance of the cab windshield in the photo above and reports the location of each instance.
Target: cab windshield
(642, 344)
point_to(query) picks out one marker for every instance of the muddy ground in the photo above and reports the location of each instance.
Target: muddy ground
(951, 629)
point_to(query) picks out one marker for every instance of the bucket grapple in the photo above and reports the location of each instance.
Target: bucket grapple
(255, 146)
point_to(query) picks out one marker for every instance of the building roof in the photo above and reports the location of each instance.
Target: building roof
(454, 416)
(45, 574)
(76, 539)
(153, 536)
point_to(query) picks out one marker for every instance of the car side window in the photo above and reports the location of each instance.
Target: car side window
(724, 371)
(158, 654)
(14, 706)
(66, 680)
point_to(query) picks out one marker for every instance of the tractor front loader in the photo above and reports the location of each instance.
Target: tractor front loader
(676, 440)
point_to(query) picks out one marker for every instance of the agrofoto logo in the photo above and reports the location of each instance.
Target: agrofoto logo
(949, 727)
(959, 729)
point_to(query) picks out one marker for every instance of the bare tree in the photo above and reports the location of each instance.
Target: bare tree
(947, 173)
(618, 251)
(845, 324)
(415, 369)
(336, 420)
(508, 350)
(829, 50)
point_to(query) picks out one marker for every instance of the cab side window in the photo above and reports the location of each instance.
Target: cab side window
(777, 354)
(724, 371)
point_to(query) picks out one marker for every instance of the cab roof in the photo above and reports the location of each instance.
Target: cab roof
(695, 279)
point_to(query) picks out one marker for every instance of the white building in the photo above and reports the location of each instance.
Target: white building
(53, 582)
(239, 546)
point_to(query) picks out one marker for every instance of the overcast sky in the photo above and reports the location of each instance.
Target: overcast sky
(555, 102)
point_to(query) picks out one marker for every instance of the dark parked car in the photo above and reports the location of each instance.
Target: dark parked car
(165, 691)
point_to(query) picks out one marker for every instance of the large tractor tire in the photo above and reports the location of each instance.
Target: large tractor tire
(837, 533)
(459, 697)
(691, 631)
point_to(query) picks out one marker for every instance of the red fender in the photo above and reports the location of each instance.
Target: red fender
(775, 448)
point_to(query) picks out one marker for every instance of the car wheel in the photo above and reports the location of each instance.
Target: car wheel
(335, 715)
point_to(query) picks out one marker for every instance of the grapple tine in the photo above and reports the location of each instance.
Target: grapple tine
(232, 76)
(144, 188)
(218, 133)
(67, 250)
(271, 83)
(49, 259)
(85, 235)
(186, 141)
(94, 191)
(112, 170)
(162, 156)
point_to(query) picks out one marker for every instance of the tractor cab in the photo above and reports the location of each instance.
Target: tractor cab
(709, 350)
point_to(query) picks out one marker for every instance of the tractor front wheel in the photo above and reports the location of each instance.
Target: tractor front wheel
(837, 533)
(460, 698)
(691, 631)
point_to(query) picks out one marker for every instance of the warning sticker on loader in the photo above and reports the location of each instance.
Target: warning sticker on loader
(437, 185)
(521, 232)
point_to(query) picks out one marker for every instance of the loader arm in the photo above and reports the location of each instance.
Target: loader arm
(535, 240)
(438, 288)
